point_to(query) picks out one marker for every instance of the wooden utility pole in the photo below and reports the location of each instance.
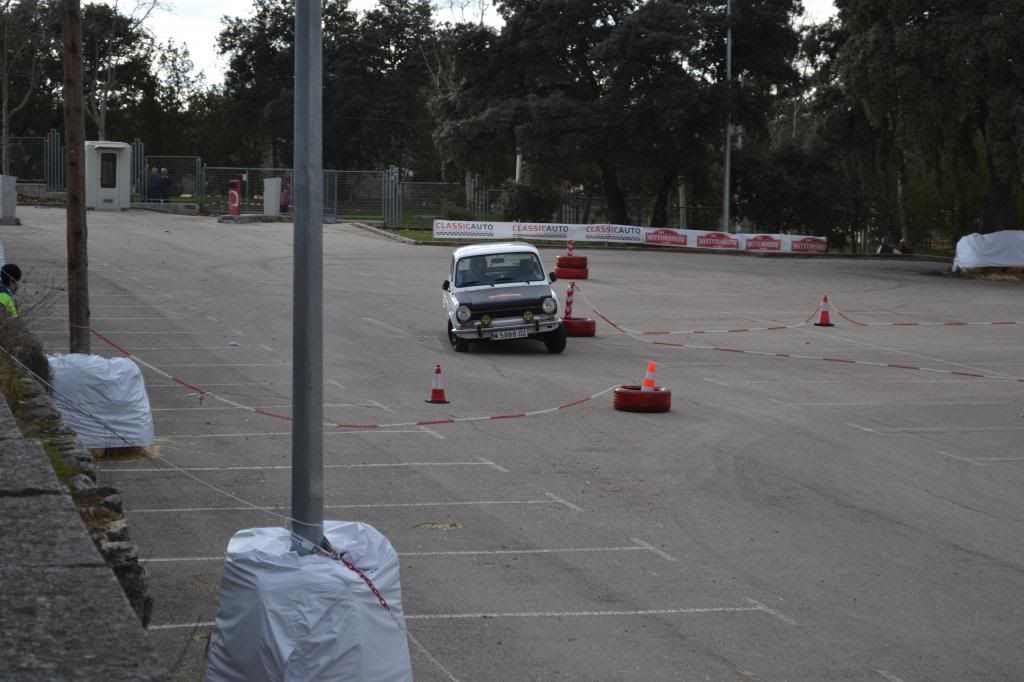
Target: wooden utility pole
(74, 177)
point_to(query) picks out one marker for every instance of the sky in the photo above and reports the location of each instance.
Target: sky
(196, 24)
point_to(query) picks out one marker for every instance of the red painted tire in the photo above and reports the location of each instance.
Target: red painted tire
(571, 261)
(632, 399)
(571, 273)
(579, 326)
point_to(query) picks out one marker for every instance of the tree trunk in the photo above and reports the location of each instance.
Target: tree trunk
(74, 172)
(613, 194)
(1000, 209)
(5, 131)
(659, 213)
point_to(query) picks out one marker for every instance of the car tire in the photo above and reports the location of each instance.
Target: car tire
(555, 340)
(571, 261)
(459, 345)
(579, 326)
(571, 273)
(632, 399)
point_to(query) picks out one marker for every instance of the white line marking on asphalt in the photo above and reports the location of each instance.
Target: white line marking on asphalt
(999, 459)
(651, 548)
(287, 467)
(962, 459)
(784, 404)
(120, 333)
(236, 332)
(943, 429)
(334, 383)
(208, 408)
(267, 348)
(761, 607)
(451, 553)
(879, 403)
(564, 502)
(489, 463)
(269, 434)
(885, 675)
(542, 614)
(234, 364)
(864, 428)
(214, 319)
(720, 383)
(387, 326)
(383, 505)
(951, 380)
(432, 432)
(380, 405)
(581, 614)
(208, 385)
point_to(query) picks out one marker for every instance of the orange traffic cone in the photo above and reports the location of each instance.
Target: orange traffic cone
(648, 383)
(437, 392)
(823, 318)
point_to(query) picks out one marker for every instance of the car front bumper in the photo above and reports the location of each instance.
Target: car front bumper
(475, 331)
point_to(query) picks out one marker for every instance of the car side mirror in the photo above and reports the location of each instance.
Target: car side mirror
(447, 285)
(552, 277)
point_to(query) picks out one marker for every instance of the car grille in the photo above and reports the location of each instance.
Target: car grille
(508, 312)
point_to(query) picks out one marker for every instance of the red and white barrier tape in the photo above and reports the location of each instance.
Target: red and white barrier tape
(950, 323)
(846, 361)
(636, 332)
(283, 417)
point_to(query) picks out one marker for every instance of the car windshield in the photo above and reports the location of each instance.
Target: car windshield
(495, 268)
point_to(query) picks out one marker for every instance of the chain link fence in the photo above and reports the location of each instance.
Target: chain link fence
(169, 179)
(26, 156)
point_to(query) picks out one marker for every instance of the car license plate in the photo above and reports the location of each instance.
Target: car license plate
(509, 334)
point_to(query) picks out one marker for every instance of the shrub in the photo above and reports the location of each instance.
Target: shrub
(520, 201)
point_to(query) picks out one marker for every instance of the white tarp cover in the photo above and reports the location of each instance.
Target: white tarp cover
(996, 250)
(291, 618)
(102, 400)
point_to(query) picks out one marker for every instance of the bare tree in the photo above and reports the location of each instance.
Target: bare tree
(109, 52)
(22, 42)
(464, 11)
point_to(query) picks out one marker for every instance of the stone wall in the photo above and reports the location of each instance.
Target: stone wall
(73, 595)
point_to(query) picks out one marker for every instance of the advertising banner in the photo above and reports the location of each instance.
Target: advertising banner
(631, 234)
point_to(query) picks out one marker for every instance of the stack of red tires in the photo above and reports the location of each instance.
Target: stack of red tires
(571, 267)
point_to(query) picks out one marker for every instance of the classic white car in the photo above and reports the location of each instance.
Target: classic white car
(496, 292)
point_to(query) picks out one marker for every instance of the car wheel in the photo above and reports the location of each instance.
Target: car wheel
(555, 340)
(459, 345)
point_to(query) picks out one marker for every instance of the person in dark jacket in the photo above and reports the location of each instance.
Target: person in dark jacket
(10, 279)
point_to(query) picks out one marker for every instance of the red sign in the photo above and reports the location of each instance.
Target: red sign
(718, 240)
(764, 242)
(664, 237)
(810, 245)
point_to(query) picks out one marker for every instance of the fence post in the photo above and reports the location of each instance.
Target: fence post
(53, 161)
(392, 198)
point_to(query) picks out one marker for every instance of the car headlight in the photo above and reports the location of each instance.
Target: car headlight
(463, 313)
(549, 306)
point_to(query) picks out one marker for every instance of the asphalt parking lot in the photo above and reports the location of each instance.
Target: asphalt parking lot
(820, 503)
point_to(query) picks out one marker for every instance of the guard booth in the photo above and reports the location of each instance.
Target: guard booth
(108, 176)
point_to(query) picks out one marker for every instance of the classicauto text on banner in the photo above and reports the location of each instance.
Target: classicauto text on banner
(631, 234)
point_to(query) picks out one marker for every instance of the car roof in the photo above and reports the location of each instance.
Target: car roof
(502, 247)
